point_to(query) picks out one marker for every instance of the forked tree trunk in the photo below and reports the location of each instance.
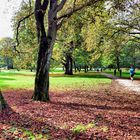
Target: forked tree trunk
(46, 43)
(3, 104)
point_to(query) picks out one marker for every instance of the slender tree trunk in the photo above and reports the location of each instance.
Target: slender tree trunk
(71, 66)
(3, 104)
(118, 63)
(86, 68)
(67, 65)
(90, 68)
(75, 68)
(79, 68)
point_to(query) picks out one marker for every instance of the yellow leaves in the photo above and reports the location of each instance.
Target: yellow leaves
(95, 57)
(91, 37)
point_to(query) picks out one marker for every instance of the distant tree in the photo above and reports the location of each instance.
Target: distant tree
(6, 52)
(26, 52)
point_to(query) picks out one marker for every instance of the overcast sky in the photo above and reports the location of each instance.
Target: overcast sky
(7, 9)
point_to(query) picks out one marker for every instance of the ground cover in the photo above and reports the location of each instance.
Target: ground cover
(109, 113)
(80, 109)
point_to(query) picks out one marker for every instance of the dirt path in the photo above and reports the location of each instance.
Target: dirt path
(126, 83)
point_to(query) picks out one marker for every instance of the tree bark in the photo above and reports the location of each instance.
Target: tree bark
(46, 43)
(3, 104)
(69, 65)
(86, 68)
(118, 63)
(75, 68)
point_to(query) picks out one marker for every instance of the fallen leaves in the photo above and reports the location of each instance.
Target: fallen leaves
(109, 113)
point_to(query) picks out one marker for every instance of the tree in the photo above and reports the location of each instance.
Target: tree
(6, 52)
(26, 52)
(57, 12)
(47, 40)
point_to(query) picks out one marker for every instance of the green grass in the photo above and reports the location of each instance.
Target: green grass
(125, 74)
(78, 81)
(25, 80)
(16, 80)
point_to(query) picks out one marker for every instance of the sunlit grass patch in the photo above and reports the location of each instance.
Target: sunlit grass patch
(25, 80)
(82, 128)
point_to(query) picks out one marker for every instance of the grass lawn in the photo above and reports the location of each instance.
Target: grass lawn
(25, 80)
(125, 74)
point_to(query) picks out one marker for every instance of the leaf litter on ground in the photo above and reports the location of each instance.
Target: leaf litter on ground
(107, 113)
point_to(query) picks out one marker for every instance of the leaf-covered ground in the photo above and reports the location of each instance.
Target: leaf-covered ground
(110, 113)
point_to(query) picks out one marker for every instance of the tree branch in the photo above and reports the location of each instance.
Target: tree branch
(74, 4)
(134, 33)
(69, 13)
(60, 6)
(44, 5)
(17, 29)
(60, 24)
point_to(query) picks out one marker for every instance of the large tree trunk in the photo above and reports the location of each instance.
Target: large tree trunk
(69, 60)
(3, 104)
(69, 65)
(46, 43)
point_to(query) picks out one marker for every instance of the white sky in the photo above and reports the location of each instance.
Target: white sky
(7, 9)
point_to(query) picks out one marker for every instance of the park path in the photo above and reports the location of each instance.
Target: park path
(126, 83)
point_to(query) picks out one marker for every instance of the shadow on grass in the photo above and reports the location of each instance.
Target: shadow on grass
(82, 75)
(4, 79)
(3, 83)
(15, 74)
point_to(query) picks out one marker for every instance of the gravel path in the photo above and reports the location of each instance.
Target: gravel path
(128, 84)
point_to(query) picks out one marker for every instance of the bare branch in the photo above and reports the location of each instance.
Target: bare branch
(74, 4)
(60, 6)
(17, 29)
(134, 33)
(30, 4)
(15, 49)
(69, 13)
(60, 24)
(135, 37)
